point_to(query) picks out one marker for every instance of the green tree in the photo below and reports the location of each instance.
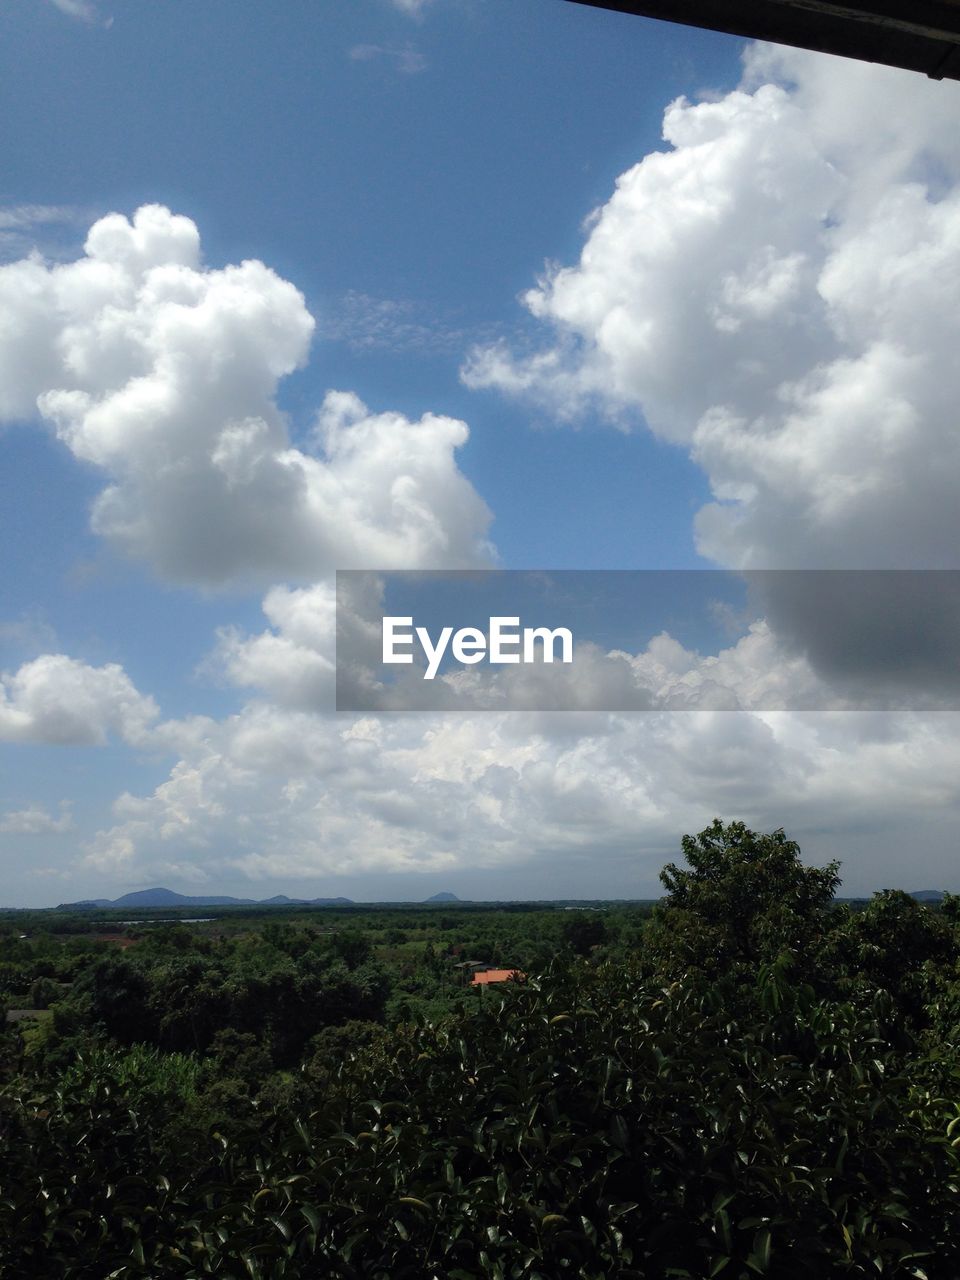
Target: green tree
(119, 991)
(352, 947)
(583, 930)
(744, 900)
(901, 946)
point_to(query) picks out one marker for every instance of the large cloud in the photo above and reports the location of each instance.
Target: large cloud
(779, 293)
(293, 665)
(283, 791)
(163, 373)
(275, 794)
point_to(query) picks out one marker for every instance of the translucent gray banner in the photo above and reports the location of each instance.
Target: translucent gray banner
(648, 640)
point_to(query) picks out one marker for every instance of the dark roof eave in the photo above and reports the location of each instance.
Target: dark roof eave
(918, 35)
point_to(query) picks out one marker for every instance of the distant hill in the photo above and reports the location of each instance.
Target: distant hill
(928, 895)
(443, 897)
(144, 898)
(167, 898)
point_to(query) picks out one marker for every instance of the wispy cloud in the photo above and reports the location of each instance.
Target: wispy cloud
(80, 9)
(412, 8)
(409, 60)
(28, 632)
(22, 216)
(36, 226)
(367, 323)
(83, 11)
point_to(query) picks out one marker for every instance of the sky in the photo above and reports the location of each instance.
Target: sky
(454, 284)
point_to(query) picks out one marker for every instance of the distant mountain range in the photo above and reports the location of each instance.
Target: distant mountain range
(167, 898)
(144, 898)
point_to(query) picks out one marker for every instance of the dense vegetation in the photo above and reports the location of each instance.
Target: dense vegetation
(750, 1080)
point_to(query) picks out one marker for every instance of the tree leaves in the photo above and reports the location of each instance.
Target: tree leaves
(660, 1135)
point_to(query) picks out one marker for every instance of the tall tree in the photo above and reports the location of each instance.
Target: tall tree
(745, 899)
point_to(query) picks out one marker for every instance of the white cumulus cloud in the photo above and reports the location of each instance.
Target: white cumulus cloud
(779, 293)
(294, 661)
(163, 373)
(275, 793)
(284, 789)
(59, 700)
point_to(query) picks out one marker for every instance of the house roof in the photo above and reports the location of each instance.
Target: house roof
(496, 975)
(920, 35)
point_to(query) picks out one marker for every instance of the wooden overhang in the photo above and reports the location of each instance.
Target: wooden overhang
(920, 35)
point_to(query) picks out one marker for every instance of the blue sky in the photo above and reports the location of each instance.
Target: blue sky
(723, 378)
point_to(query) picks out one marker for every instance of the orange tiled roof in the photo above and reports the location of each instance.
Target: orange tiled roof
(496, 975)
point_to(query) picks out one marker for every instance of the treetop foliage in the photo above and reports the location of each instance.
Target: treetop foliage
(744, 899)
